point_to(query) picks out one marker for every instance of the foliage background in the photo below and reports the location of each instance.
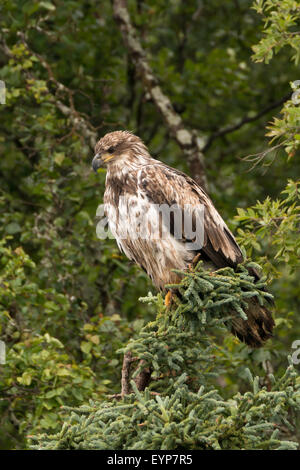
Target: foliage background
(68, 301)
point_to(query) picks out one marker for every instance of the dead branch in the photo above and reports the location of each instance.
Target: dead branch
(125, 385)
(143, 378)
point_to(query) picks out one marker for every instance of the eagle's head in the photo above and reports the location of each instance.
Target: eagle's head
(118, 147)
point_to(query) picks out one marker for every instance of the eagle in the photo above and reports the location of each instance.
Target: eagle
(136, 186)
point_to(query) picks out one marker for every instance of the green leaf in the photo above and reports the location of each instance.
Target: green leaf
(13, 228)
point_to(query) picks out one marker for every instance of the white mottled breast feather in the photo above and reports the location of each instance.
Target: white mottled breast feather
(132, 190)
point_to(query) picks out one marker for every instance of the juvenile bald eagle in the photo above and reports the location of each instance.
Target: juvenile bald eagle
(136, 185)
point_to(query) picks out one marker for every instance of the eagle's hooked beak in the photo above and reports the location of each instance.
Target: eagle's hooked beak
(97, 162)
(100, 159)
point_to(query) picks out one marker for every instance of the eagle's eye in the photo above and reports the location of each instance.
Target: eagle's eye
(111, 149)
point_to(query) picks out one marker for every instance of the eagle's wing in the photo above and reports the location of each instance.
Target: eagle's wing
(164, 185)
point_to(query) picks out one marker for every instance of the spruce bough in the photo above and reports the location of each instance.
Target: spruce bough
(181, 408)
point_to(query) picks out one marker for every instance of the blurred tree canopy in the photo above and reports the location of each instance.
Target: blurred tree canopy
(68, 301)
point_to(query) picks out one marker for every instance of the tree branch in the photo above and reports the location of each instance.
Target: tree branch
(189, 141)
(125, 385)
(243, 121)
(141, 380)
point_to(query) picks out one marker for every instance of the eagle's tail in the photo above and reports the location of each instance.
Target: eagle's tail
(257, 328)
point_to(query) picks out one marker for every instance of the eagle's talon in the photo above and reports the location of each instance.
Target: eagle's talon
(168, 299)
(196, 259)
